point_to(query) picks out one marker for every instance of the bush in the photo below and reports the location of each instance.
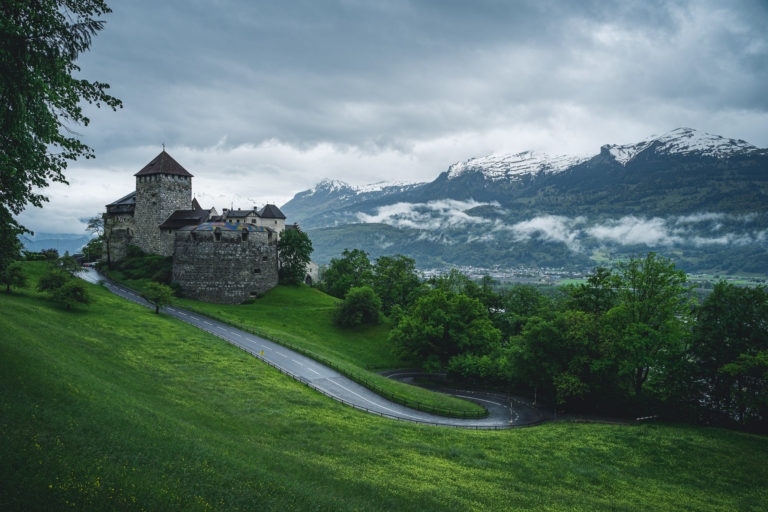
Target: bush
(361, 306)
(63, 288)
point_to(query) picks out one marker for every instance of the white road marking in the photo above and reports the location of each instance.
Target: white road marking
(374, 403)
(298, 363)
(313, 371)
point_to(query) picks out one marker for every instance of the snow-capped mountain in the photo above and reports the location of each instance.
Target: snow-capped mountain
(539, 209)
(514, 167)
(331, 202)
(340, 188)
(682, 141)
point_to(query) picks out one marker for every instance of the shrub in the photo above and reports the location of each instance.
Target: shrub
(361, 306)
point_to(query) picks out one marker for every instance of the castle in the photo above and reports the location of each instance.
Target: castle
(223, 258)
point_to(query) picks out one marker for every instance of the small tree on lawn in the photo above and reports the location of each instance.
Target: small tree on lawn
(360, 306)
(13, 275)
(51, 281)
(63, 288)
(295, 249)
(158, 295)
(73, 291)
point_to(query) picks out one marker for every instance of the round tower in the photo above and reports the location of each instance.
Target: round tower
(162, 187)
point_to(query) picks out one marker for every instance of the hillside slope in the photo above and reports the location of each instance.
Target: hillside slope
(115, 408)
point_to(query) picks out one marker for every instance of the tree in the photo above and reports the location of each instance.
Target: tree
(40, 99)
(94, 249)
(158, 295)
(441, 325)
(103, 227)
(13, 275)
(730, 339)
(651, 320)
(63, 288)
(10, 247)
(294, 249)
(360, 306)
(73, 291)
(456, 282)
(353, 269)
(597, 295)
(51, 281)
(395, 280)
(520, 303)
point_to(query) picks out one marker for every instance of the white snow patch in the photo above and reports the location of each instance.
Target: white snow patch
(682, 141)
(506, 167)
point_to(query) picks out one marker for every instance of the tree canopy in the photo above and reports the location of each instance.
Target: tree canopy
(158, 295)
(360, 306)
(41, 99)
(395, 281)
(352, 269)
(295, 250)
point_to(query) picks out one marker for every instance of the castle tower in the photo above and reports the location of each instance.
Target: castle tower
(162, 187)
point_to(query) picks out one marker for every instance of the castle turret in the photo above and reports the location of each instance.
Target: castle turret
(162, 187)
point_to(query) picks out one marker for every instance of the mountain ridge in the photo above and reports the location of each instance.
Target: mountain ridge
(655, 181)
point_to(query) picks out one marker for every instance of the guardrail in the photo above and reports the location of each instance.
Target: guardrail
(389, 395)
(359, 407)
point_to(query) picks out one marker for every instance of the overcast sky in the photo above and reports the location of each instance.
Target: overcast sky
(262, 99)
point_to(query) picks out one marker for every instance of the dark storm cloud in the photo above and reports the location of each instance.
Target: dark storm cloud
(276, 95)
(386, 73)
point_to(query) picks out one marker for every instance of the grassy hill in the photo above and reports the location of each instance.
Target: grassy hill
(301, 318)
(115, 408)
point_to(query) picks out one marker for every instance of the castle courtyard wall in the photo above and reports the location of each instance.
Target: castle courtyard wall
(223, 267)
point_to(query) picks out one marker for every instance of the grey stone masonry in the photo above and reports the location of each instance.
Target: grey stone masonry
(157, 197)
(225, 267)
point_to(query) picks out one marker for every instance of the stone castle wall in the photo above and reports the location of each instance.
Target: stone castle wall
(157, 197)
(222, 267)
(120, 238)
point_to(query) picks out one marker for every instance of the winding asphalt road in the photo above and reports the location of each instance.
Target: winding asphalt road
(326, 380)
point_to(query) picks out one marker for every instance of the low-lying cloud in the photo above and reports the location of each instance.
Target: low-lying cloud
(440, 221)
(437, 215)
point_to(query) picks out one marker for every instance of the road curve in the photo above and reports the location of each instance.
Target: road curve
(312, 373)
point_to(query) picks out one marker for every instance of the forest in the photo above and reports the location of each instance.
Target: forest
(634, 340)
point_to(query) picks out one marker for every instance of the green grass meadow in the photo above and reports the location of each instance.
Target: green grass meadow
(302, 317)
(111, 407)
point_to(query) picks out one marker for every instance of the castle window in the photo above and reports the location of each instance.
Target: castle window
(257, 270)
(264, 258)
(217, 236)
(245, 236)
